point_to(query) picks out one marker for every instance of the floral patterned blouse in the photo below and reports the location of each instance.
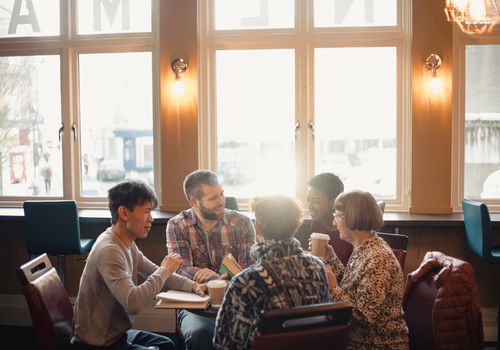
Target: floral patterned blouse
(282, 277)
(372, 281)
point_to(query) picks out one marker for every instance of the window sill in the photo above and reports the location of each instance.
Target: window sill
(99, 216)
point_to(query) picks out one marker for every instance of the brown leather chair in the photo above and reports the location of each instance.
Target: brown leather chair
(48, 302)
(441, 307)
(323, 326)
(398, 243)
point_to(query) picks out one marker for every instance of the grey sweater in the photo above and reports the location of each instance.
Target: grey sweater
(109, 296)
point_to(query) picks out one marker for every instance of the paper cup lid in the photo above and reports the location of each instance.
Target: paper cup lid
(320, 236)
(216, 283)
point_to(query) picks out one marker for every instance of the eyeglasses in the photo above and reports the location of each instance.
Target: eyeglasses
(338, 216)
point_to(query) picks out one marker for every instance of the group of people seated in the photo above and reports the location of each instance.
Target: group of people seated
(359, 267)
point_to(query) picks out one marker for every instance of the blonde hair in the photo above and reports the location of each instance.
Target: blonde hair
(279, 216)
(361, 211)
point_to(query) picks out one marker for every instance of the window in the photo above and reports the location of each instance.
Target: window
(76, 97)
(295, 91)
(479, 143)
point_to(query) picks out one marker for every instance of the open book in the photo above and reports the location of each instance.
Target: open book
(174, 299)
(229, 265)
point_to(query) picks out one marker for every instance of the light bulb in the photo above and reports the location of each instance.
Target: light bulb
(435, 85)
(178, 88)
(477, 10)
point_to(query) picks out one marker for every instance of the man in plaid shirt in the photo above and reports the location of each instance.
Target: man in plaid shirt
(203, 235)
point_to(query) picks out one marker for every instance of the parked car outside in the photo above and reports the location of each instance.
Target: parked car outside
(110, 170)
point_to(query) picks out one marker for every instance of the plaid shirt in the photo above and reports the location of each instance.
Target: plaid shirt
(234, 234)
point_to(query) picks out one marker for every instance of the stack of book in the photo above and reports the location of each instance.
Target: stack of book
(174, 299)
(229, 266)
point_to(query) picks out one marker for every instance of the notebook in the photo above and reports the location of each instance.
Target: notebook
(174, 299)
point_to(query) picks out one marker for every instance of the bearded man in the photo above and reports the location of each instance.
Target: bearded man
(202, 236)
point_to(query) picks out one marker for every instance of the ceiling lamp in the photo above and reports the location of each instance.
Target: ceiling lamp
(473, 16)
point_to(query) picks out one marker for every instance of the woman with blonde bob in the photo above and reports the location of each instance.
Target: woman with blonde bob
(282, 276)
(372, 280)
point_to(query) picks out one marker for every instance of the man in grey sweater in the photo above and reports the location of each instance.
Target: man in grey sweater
(109, 295)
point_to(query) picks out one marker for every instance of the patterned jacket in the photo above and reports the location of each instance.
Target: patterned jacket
(372, 281)
(282, 277)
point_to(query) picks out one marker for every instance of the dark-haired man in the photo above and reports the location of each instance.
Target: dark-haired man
(202, 236)
(322, 191)
(110, 295)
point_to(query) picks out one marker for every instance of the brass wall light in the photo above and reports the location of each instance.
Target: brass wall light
(433, 63)
(179, 66)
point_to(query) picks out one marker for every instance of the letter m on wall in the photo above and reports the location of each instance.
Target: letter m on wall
(111, 8)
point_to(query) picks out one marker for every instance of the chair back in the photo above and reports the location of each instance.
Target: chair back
(441, 305)
(398, 244)
(417, 305)
(231, 203)
(381, 205)
(48, 302)
(478, 229)
(52, 227)
(324, 325)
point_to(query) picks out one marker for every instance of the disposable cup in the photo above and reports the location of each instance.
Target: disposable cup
(216, 290)
(319, 242)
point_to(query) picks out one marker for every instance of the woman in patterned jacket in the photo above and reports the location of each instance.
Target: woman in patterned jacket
(372, 280)
(282, 276)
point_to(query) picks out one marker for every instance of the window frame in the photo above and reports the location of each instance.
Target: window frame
(68, 45)
(304, 38)
(460, 41)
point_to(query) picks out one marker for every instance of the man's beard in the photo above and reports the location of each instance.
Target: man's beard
(209, 214)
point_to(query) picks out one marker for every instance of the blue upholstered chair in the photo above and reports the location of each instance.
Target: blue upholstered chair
(479, 234)
(53, 227)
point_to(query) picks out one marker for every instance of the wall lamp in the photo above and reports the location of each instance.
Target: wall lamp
(179, 66)
(433, 63)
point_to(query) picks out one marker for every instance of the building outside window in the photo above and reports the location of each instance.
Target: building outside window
(295, 88)
(76, 96)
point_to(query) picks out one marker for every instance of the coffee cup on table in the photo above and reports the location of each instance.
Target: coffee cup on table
(319, 242)
(216, 290)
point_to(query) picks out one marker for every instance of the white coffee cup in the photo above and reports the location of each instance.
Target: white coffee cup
(216, 290)
(319, 241)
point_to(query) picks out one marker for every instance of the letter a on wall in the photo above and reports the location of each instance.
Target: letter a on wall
(17, 18)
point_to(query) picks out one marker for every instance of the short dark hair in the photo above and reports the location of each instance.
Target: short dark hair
(129, 193)
(193, 181)
(327, 183)
(278, 216)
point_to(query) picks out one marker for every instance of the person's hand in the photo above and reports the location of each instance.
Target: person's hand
(171, 262)
(204, 275)
(199, 288)
(329, 252)
(332, 280)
